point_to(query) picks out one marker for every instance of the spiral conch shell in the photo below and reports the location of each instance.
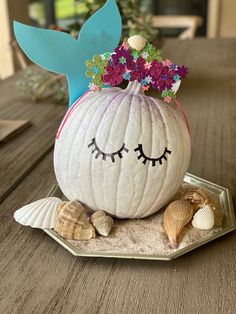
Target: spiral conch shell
(137, 42)
(203, 218)
(102, 222)
(177, 215)
(200, 198)
(72, 223)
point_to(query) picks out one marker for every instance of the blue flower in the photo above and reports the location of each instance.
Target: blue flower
(127, 76)
(176, 77)
(95, 70)
(144, 82)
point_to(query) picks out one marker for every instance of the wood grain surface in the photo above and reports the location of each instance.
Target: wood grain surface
(24, 151)
(39, 276)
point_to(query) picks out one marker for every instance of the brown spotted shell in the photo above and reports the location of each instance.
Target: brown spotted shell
(72, 223)
(176, 216)
(102, 222)
(200, 198)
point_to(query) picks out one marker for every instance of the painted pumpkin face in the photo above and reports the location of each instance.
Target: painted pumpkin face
(122, 152)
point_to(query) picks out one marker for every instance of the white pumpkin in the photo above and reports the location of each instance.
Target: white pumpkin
(122, 152)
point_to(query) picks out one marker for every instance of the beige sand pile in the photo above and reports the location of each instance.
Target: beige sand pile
(142, 236)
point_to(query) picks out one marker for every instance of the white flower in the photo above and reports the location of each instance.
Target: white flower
(148, 79)
(145, 55)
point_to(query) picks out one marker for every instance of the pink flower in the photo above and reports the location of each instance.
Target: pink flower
(94, 87)
(125, 45)
(166, 62)
(167, 99)
(145, 88)
(148, 65)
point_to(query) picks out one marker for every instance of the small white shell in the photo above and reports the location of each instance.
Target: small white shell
(203, 218)
(102, 222)
(40, 214)
(137, 42)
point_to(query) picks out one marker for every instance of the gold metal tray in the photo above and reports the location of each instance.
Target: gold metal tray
(220, 192)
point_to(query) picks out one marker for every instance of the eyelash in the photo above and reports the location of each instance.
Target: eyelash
(105, 155)
(153, 160)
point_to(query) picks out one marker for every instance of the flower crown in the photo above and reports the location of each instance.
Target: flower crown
(144, 65)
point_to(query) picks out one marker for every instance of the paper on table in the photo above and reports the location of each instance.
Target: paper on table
(10, 128)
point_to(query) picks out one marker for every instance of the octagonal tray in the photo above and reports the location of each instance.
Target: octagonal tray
(220, 192)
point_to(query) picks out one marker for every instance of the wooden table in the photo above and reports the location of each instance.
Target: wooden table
(39, 276)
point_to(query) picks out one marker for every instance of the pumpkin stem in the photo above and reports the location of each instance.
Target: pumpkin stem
(134, 87)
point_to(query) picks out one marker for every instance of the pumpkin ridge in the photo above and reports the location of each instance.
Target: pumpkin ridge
(158, 115)
(136, 105)
(147, 171)
(183, 137)
(121, 93)
(120, 167)
(92, 159)
(158, 111)
(116, 112)
(90, 108)
(71, 175)
(62, 140)
(180, 132)
(184, 143)
(173, 116)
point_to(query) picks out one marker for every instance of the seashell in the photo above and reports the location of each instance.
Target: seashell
(137, 42)
(102, 222)
(40, 214)
(176, 216)
(199, 198)
(72, 223)
(73, 208)
(203, 218)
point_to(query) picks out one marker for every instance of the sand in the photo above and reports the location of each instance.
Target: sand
(143, 236)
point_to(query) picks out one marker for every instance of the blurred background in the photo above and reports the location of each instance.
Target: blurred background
(155, 19)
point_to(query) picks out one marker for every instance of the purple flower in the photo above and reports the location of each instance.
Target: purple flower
(165, 79)
(122, 57)
(138, 71)
(114, 75)
(173, 66)
(155, 70)
(182, 71)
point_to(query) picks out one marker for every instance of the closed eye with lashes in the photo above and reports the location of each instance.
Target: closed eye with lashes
(153, 160)
(104, 155)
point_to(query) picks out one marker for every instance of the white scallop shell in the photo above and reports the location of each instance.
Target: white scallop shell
(203, 218)
(40, 214)
(137, 42)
